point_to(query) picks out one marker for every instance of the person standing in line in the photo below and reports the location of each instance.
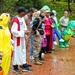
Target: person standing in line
(63, 25)
(19, 30)
(28, 19)
(56, 32)
(48, 31)
(64, 22)
(5, 44)
(35, 14)
(38, 32)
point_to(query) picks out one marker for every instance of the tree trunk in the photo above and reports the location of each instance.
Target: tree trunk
(69, 6)
(1, 5)
(34, 3)
(58, 0)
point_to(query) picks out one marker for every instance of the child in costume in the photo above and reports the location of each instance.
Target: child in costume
(56, 32)
(5, 45)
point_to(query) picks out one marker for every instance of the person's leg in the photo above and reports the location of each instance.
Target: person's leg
(25, 66)
(48, 39)
(31, 47)
(40, 54)
(59, 35)
(51, 41)
(17, 59)
(37, 48)
(61, 44)
(54, 37)
(28, 44)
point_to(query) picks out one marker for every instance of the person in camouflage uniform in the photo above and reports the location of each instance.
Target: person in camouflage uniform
(38, 32)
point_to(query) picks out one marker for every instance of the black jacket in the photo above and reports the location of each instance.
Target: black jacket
(36, 23)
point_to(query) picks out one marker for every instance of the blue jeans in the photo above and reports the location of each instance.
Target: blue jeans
(31, 47)
(57, 34)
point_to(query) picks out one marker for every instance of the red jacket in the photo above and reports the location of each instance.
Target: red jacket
(48, 27)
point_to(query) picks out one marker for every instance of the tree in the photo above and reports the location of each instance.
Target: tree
(69, 6)
(1, 5)
(9, 5)
(34, 3)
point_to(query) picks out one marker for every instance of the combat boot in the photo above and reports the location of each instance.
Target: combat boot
(36, 61)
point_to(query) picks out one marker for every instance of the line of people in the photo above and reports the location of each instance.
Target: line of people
(33, 32)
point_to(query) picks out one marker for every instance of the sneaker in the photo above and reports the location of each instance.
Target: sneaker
(26, 69)
(61, 40)
(31, 57)
(17, 71)
(28, 65)
(55, 43)
(43, 54)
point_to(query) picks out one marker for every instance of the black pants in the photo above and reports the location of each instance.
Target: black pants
(48, 40)
(42, 51)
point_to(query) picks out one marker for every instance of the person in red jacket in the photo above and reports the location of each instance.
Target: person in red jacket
(49, 32)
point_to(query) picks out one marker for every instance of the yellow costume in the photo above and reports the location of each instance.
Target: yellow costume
(5, 46)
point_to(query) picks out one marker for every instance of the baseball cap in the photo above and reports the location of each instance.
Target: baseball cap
(21, 9)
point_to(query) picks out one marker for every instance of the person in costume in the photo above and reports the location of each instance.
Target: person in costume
(19, 30)
(37, 29)
(48, 29)
(63, 25)
(64, 22)
(68, 33)
(56, 31)
(5, 43)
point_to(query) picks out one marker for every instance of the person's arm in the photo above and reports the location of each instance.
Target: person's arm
(15, 32)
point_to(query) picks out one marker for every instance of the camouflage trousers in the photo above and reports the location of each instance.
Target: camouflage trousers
(37, 45)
